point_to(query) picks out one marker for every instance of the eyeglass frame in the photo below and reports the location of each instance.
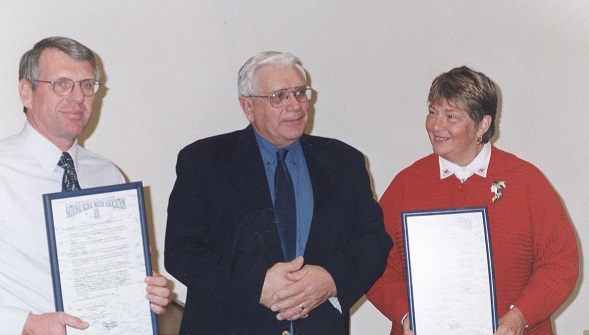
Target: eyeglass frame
(79, 82)
(288, 91)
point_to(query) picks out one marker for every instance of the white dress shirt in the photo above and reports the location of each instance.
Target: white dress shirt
(28, 169)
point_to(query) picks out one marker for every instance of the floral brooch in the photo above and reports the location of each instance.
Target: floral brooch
(496, 188)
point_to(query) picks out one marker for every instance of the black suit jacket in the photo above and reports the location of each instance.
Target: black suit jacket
(221, 234)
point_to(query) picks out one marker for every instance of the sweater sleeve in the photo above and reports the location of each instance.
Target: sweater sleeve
(389, 293)
(556, 258)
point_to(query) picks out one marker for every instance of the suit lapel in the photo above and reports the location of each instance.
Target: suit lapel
(251, 185)
(322, 184)
(249, 176)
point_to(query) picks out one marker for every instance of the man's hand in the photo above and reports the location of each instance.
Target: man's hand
(276, 279)
(512, 323)
(310, 287)
(51, 324)
(157, 293)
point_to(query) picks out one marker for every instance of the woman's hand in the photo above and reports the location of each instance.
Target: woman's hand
(512, 323)
(407, 326)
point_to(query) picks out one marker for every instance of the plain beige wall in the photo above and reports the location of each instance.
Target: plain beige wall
(171, 76)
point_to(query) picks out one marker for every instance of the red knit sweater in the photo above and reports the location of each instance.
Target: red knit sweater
(533, 244)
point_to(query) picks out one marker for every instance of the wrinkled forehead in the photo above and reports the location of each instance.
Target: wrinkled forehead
(277, 76)
(55, 62)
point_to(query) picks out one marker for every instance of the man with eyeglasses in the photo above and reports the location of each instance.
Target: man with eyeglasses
(58, 83)
(273, 231)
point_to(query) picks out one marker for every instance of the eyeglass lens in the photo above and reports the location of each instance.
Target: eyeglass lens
(280, 97)
(65, 86)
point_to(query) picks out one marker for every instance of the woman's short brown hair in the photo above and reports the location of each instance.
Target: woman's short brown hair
(468, 89)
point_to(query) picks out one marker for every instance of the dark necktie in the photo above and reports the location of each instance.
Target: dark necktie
(70, 179)
(285, 206)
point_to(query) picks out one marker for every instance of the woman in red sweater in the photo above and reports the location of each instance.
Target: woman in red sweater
(534, 246)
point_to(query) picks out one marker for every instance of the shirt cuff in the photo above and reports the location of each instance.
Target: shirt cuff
(335, 302)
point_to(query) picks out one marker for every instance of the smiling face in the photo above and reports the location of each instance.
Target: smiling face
(453, 134)
(284, 125)
(60, 119)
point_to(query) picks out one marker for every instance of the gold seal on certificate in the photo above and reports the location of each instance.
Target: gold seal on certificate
(99, 252)
(450, 278)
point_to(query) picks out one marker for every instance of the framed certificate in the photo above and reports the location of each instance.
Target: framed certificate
(450, 277)
(99, 253)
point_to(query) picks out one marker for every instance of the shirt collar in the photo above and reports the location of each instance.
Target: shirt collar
(478, 166)
(45, 152)
(268, 150)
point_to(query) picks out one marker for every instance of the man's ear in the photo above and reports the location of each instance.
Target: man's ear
(247, 106)
(25, 90)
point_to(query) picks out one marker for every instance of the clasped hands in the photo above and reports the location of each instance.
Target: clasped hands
(293, 290)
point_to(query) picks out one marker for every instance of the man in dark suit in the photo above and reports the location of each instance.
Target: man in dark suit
(229, 240)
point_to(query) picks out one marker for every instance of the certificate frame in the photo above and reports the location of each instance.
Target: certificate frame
(450, 276)
(99, 256)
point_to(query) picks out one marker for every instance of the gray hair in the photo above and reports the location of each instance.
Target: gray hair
(29, 62)
(247, 73)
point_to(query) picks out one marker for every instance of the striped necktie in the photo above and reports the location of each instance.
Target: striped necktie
(70, 179)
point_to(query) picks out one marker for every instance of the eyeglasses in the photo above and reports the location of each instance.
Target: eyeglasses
(65, 86)
(281, 97)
